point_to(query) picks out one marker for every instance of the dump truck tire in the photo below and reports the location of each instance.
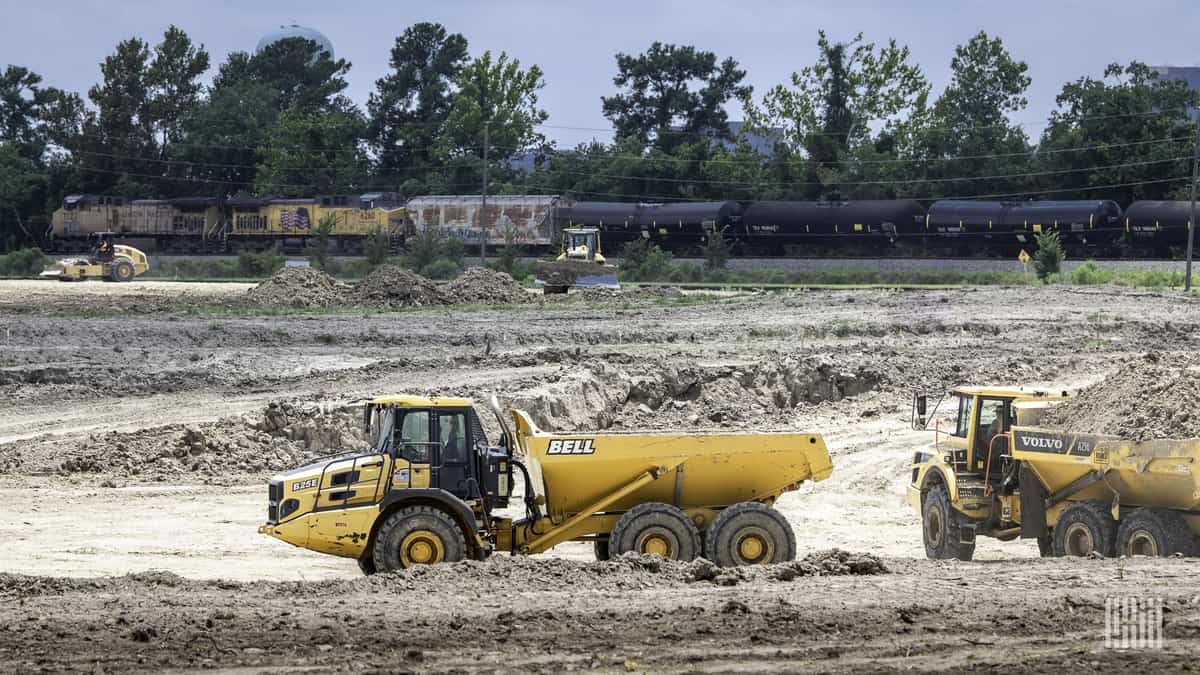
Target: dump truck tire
(1046, 545)
(367, 565)
(122, 270)
(418, 535)
(655, 528)
(1155, 532)
(1084, 528)
(941, 526)
(749, 533)
(601, 549)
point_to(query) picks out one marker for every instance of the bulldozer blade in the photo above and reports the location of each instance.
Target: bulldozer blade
(598, 281)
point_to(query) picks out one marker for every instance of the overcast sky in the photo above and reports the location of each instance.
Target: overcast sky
(574, 42)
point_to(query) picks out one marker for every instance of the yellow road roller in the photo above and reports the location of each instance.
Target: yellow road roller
(994, 472)
(107, 260)
(433, 486)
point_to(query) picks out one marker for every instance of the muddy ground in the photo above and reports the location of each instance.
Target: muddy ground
(139, 422)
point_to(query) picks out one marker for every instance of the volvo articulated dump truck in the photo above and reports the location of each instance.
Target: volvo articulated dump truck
(995, 472)
(432, 486)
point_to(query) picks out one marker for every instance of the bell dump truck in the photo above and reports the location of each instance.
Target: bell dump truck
(432, 487)
(995, 472)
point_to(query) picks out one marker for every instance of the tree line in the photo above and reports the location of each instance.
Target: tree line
(859, 123)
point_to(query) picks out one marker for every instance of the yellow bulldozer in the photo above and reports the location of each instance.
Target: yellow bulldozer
(994, 472)
(432, 487)
(579, 264)
(107, 260)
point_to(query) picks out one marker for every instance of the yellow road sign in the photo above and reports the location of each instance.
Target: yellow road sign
(1023, 257)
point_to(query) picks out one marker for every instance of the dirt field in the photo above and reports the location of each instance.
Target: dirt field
(139, 422)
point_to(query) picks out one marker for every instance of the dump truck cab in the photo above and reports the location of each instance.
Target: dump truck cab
(429, 487)
(966, 482)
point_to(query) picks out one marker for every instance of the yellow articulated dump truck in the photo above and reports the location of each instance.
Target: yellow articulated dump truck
(994, 472)
(432, 487)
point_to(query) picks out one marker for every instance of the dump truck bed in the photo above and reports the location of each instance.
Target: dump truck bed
(1160, 473)
(716, 468)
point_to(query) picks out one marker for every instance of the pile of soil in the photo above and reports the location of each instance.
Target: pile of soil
(1151, 398)
(486, 286)
(638, 395)
(299, 287)
(391, 286)
(284, 435)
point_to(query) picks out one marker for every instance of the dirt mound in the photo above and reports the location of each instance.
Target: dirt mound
(1153, 397)
(660, 396)
(483, 285)
(299, 287)
(284, 435)
(391, 286)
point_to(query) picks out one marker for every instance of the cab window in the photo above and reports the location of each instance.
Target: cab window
(452, 430)
(963, 425)
(413, 440)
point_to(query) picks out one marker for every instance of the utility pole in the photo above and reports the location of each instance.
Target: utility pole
(483, 231)
(1187, 279)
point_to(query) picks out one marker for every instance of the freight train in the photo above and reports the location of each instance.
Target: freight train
(884, 227)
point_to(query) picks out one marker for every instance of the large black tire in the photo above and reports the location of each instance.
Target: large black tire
(418, 535)
(367, 564)
(941, 526)
(749, 533)
(1084, 529)
(122, 270)
(655, 528)
(601, 549)
(1155, 532)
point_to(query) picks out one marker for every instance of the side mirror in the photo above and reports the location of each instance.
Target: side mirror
(922, 404)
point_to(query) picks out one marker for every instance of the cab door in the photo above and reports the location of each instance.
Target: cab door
(992, 417)
(453, 471)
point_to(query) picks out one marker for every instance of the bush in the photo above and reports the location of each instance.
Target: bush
(441, 269)
(1089, 274)
(716, 250)
(262, 264)
(509, 260)
(318, 249)
(1048, 259)
(433, 250)
(27, 262)
(378, 247)
(644, 261)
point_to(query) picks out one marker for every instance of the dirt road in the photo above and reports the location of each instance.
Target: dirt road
(95, 504)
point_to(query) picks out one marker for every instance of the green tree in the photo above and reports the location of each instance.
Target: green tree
(226, 134)
(121, 133)
(967, 133)
(175, 90)
(319, 247)
(409, 106)
(434, 253)
(315, 152)
(1048, 259)
(671, 93)
(499, 93)
(1130, 130)
(828, 112)
(716, 250)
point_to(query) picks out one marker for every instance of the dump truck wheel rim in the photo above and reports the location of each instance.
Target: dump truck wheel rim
(1079, 540)
(754, 546)
(658, 542)
(1142, 542)
(933, 527)
(421, 547)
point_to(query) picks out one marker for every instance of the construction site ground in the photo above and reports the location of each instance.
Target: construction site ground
(139, 424)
